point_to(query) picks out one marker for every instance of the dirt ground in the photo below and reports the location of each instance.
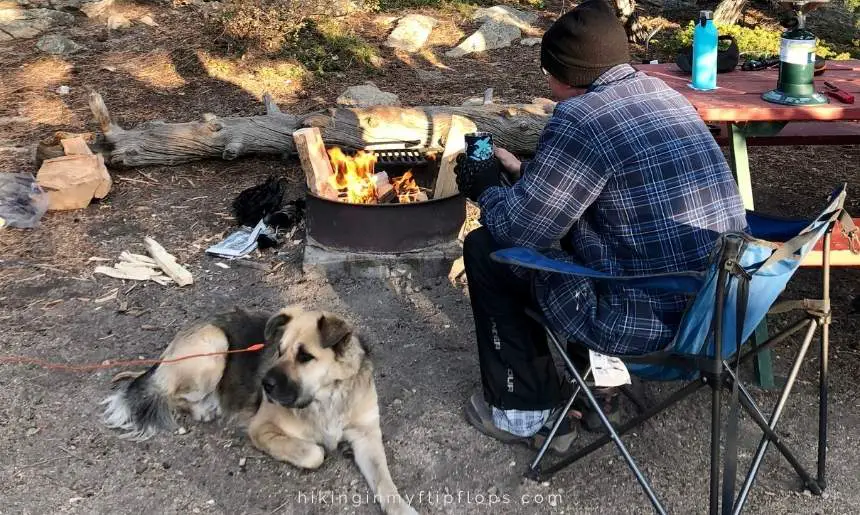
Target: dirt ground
(55, 457)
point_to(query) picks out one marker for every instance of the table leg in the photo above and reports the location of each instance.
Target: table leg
(741, 167)
(741, 164)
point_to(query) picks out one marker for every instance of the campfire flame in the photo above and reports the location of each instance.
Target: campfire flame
(407, 189)
(354, 176)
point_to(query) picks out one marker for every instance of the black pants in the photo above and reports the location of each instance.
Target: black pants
(517, 370)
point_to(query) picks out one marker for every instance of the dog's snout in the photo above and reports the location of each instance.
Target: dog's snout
(270, 382)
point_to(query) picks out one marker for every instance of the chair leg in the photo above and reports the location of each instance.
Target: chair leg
(714, 487)
(592, 401)
(626, 427)
(823, 364)
(751, 408)
(534, 470)
(822, 407)
(777, 412)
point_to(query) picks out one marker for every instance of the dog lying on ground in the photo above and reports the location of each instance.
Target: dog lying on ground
(310, 388)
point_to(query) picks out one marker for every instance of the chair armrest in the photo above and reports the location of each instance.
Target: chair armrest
(678, 282)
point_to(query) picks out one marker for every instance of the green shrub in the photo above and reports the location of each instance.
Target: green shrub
(328, 46)
(310, 31)
(754, 42)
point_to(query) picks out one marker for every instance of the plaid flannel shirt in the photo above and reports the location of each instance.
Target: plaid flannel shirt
(628, 180)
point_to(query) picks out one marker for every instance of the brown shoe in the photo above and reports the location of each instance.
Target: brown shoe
(479, 414)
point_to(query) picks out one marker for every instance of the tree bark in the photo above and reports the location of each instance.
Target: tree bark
(514, 127)
(729, 11)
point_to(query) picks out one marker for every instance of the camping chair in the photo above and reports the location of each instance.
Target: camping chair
(745, 275)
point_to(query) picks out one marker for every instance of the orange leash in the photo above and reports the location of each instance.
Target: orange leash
(22, 360)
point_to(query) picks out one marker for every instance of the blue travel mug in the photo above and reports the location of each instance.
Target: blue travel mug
(479, 146)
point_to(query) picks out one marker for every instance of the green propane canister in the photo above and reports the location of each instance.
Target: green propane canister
(795, 85)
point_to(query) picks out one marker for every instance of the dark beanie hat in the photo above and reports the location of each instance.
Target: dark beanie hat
(584, 43)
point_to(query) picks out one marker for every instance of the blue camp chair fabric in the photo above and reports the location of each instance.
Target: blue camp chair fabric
(745, 276)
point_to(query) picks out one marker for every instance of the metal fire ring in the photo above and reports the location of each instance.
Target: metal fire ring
(384, 228)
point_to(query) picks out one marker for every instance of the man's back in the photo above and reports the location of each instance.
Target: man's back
(630, 181)
(671, 191)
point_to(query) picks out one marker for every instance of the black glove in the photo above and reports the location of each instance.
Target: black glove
(474, 177)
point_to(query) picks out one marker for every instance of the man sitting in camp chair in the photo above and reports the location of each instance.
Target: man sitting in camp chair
(626, 179)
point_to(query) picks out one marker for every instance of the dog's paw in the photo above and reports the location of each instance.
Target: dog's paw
(206, 410)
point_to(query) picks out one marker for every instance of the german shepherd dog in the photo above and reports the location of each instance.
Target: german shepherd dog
(309, 389)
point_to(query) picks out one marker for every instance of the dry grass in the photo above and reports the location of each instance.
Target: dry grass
(278, 77)
(154, 68)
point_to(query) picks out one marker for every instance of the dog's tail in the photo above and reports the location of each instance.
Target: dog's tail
(139, 407)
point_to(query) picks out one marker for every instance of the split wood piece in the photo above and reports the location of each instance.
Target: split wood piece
(76, 146)
(137, 258)
(389, 197)
(71, 182)
(383, 188)
(168, 263)
(140, 274)
(135, 268)
(455, 144)
(315, 162)
(515, 127)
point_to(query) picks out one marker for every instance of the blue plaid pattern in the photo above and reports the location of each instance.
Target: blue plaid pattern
(627, 179)
(520, 422)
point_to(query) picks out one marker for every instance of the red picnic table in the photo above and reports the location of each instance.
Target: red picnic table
(737, 103)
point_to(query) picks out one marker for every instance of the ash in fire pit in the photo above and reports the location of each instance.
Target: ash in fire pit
(381, 177)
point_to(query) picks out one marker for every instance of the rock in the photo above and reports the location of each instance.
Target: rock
(58, 45)
(28, 23)
(96, 9)
(367, 95)
(506, 16)
(429, 76)
(117, 22)
(530, 41)
(411, 32)
(71, 182)
(490, 36)
(147, 20)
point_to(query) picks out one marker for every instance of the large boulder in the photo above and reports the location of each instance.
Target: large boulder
(367, 95)
(16, 23)
(506, 15)
(490, 36)
(411, 33)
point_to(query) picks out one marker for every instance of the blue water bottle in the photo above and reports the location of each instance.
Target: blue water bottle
(705, 40)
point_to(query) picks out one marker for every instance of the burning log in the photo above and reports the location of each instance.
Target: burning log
(384, 189)
(515, 127)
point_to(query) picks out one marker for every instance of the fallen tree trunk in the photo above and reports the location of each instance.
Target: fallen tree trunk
(515, 127)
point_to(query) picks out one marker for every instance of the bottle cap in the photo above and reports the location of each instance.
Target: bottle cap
(708, 15)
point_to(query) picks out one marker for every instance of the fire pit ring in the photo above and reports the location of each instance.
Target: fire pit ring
(384, 228)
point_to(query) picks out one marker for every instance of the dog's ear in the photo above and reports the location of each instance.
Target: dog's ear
(335, 333)
(275, 328)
